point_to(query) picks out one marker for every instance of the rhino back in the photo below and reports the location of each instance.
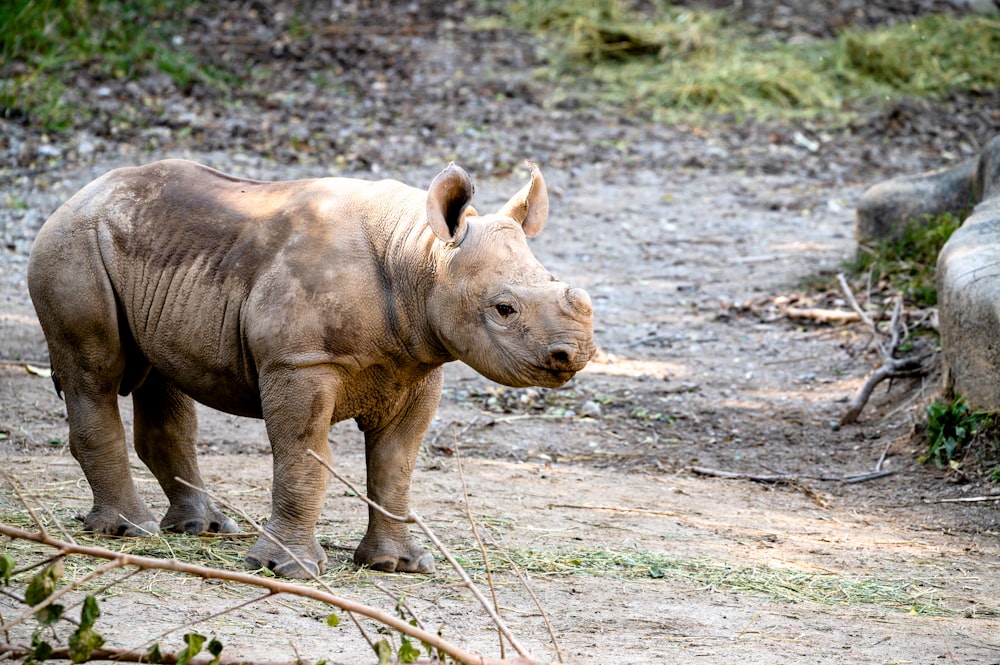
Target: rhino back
(215, 275)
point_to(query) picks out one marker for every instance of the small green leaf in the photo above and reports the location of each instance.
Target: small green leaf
(194, 642)
(382, 649)
(215, 648)
(655, 572)
(41, 650)
(407, 652)
(43, 584)
(153, 655)
(333, 620)
(7, 565)
(82, 642)
(89, 612)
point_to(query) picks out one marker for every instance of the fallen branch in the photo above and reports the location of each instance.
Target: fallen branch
(413, 518)
(894, 368)
(965, 499)
(822, 315)
(786, 477)
(891, 366)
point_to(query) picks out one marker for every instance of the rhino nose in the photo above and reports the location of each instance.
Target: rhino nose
(566, 358)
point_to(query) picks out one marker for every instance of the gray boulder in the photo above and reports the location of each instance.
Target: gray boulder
(968, 267)
(886, 208)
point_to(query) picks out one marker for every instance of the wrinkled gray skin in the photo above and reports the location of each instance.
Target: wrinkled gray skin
(303, 303)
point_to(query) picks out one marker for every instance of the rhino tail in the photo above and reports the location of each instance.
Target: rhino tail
(55, 382)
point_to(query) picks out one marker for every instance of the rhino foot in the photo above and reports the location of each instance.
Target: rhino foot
(392, 564)
(112, 522)
(201, 518)
(265, 554)
(394, 558)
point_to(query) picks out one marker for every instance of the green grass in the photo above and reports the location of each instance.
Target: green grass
(669, 61)
(908, 265)
(44, 44)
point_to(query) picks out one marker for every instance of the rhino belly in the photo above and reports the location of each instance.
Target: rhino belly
(191, 332)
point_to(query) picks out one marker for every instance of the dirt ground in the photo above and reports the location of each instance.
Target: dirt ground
(671, 230)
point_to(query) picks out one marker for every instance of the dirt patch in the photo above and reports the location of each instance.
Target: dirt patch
(670, 229)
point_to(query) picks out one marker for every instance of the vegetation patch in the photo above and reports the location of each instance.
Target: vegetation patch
(908, 265)
(46, 44)
(959, 437)
(670, 61)
(909, 595)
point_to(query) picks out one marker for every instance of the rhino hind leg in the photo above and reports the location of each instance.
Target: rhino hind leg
(87, 356)
(97, 441)
(166, 427)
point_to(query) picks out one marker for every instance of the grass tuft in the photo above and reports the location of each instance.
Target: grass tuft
(909, 265)
(670, 61)
(44, 44)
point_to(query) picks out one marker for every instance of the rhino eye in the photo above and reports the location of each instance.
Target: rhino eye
(504, 310)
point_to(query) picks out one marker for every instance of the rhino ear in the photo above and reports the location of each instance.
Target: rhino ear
(448, 201)
(530, 206)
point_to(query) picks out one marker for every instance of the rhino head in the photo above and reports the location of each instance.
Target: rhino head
(494, 306)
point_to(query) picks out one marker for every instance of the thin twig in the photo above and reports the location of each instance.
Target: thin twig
(274, 585)
(881, 458)
(479, 541)
(215, 615)
(413, 518)
(786, 477)
(401, 602)
(965, 499)
(522, 578)
(853, 302)
(15, 485)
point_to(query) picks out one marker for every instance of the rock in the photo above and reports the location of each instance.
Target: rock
(968, 266)
(968, 283)
(886, 208)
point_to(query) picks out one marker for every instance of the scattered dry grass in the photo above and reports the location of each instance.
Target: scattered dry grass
(889, 593)
(670, 62)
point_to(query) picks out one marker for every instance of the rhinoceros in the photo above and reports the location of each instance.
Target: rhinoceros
(303, 303)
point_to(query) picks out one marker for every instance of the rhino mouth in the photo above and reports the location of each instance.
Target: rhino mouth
(551, 378)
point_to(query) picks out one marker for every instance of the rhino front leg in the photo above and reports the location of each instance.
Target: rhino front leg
(165, 429)
(298, 407)
(391, 454)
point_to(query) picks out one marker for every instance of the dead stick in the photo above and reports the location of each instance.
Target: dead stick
(413, 518)
(785, 477)
(616, 509)
(885, 451)
(853, 302)
(965, 499)
(479, 541)
(821, 315)
(894, 367)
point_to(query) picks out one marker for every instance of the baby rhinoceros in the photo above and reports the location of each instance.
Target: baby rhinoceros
(303, 303)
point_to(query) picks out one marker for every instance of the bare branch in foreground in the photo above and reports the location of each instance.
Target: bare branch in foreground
(413, 518)
(273, 585)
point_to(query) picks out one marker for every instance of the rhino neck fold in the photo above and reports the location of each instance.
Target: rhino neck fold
(407, 255)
